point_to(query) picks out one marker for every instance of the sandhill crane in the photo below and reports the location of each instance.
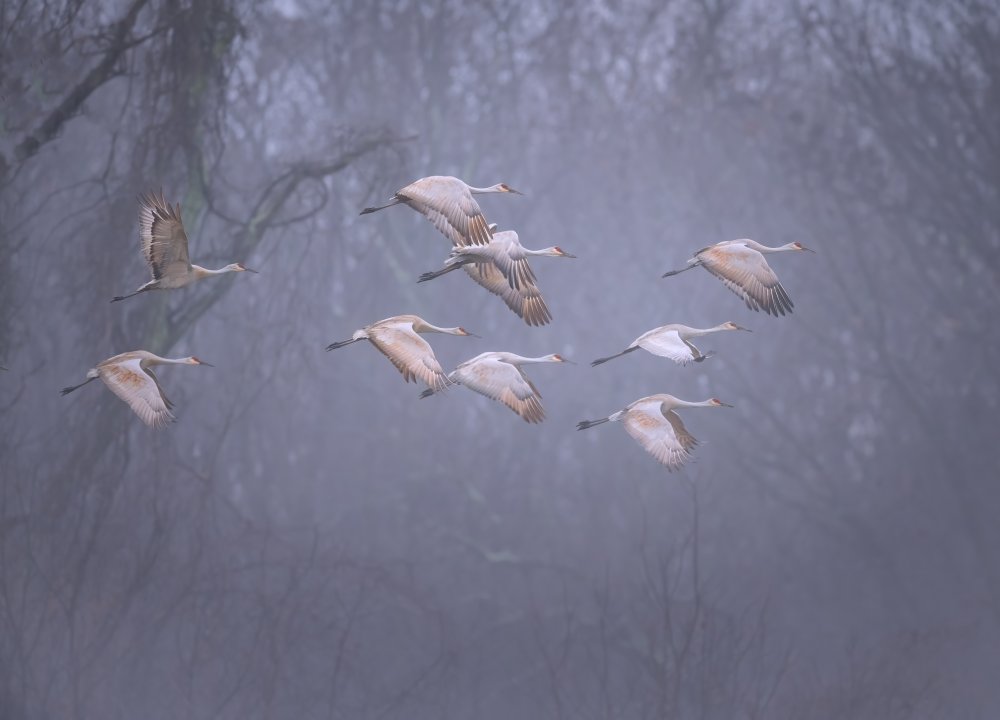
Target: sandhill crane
(506, 255)
(448, 203)
(397, 339)
(505, 252)
(741, 266)
(672, 341)
(498, 376)
(130, 377)
(165, 247)
(652, 422)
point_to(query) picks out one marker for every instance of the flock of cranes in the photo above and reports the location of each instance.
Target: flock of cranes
(495, 260)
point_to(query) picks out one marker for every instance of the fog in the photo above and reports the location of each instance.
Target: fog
(311, 539)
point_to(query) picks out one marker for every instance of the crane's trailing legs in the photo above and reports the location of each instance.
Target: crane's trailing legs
(438, 273)
(343, 343)
(626, 351)
(678, 272)
(116, 298)
(71, 388)
(395, 201)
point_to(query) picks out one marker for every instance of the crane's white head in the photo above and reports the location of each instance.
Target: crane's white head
(800, 246)
(733, 326)
(505, 188)
(715, 402)
(559, 252)
(238, 267)
(555, 357)
(195, 361)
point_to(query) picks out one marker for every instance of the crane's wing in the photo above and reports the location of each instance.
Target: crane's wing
(139, 389)
(745, 271)
(506, 384)
(527, 303)
(161, 232)
(661, 433)
(513, 263)
(410, 353)
(669, 345)
(452, 209)
(159, 388)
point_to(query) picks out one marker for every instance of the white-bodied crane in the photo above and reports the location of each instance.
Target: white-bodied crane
(130, 377)
(673, 341)
(502, 268)
(498, 376)
(396, 338)
(449, 204)
(165, 248)
(652, 422)
(741, 266)
(505, 251)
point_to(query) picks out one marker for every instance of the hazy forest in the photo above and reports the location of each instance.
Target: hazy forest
(312, 540)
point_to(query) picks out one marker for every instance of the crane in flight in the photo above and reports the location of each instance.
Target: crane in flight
(130, 377)
(652, 422)
(673, 341)
(165, 248)
(505, 252)
(499, 376)
(397, 338)
(449, 204)
(741, 266)
(501, 266)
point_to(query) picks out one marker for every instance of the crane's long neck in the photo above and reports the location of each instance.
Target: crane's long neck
(521, 360)
(157, 360)
(207, 272)
(771, 250)
(484, 191)
(543, 252)
(427, 327)
(686, 404)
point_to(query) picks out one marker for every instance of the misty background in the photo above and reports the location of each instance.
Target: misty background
(311, 540)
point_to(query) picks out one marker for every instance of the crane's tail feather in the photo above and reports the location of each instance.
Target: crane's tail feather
(584, 424)
(395, 201)
(342, 343)
(600, 361)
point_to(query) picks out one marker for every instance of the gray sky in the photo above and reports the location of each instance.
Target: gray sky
(311, 539)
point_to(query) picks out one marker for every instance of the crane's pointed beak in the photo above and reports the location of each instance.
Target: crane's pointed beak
(202, 362)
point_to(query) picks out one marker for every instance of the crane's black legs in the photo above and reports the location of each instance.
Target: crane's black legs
(68, 390)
